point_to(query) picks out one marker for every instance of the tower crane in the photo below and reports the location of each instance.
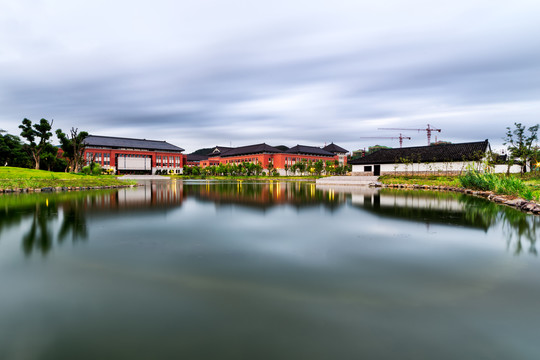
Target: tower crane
(428, 130)
(400, 137)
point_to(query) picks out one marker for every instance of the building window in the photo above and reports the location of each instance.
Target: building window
(367, 168)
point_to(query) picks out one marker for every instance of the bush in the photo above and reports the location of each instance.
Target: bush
(92, 169)
(491, 182)
(86, 170)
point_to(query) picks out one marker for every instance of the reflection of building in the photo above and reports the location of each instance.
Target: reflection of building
(446, 159)
(136, 156)
(269, 156)
(425, 207)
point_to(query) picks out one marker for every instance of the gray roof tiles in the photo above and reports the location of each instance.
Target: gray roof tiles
(333, 148)
(119, 142)
(250, 149)
(433, 153)
(308, 150)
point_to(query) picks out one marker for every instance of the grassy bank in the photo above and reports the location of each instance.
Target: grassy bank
(20, 178)
(430, 180)
(526, 187)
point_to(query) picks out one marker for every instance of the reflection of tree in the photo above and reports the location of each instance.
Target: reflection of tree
(39, 236)
(41, 210)
(425, 207)
(516, 225)
(74, 221)
(457, 209)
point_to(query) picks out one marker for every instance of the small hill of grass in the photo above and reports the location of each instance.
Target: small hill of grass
(21, 178)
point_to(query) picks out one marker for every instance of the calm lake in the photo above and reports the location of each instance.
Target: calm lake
(276, 270)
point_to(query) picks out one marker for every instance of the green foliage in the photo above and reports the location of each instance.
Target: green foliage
(520, 144)
(375, 148)
(319, 166)
(12, 152)
(510, 185)
(93, 169)
(49, 158)
(31, 132)
(72, 147)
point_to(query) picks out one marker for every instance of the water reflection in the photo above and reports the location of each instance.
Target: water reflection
(43, 218)
(262, 195)
(447, 208)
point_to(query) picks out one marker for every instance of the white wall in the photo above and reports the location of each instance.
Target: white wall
(133, 163)
(433, 167)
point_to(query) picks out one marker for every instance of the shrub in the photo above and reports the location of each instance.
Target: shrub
(86, 170)
(491, 182)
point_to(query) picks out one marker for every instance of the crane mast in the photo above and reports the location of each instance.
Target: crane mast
(428, 130)
(400, 137)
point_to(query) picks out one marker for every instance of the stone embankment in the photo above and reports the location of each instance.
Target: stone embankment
(520, 204)
(63, 188)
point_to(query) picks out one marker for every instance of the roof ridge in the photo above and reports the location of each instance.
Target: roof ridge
(125, 138)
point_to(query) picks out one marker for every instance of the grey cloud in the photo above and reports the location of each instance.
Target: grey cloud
(235, 87)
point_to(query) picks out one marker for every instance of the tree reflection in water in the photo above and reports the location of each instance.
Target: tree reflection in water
(74, 221)
(459, 209)
(42, 210)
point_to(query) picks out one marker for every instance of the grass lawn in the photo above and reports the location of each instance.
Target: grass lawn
(430, 180)
(21, 178)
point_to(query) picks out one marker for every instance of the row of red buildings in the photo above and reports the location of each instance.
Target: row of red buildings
(141, 156)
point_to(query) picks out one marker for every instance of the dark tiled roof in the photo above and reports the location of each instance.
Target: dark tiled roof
(434, 153)
(217, 150)
(333, 148)
(308, 150)
(118, 142)
(250, 149)
(196, 157)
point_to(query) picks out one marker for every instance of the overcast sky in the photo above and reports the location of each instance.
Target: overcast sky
(238, 72)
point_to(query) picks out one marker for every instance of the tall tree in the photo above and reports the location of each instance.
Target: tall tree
(72, 147)
(520, 144)
(42, 132)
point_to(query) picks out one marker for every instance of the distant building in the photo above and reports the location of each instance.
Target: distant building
(134, 156)
(442, 159)
(339, 151)
(265, 155)
(195, 159)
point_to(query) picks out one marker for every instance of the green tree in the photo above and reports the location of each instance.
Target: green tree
(258, 169)
(301, 166)
(293, 169)
(72, 147)
(12, 152)
(270, 167)
(319, 166)
(49, 156)
(40, 132)
(520, 144)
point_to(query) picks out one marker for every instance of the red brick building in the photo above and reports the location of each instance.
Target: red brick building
(265, 154)
(134, 156)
